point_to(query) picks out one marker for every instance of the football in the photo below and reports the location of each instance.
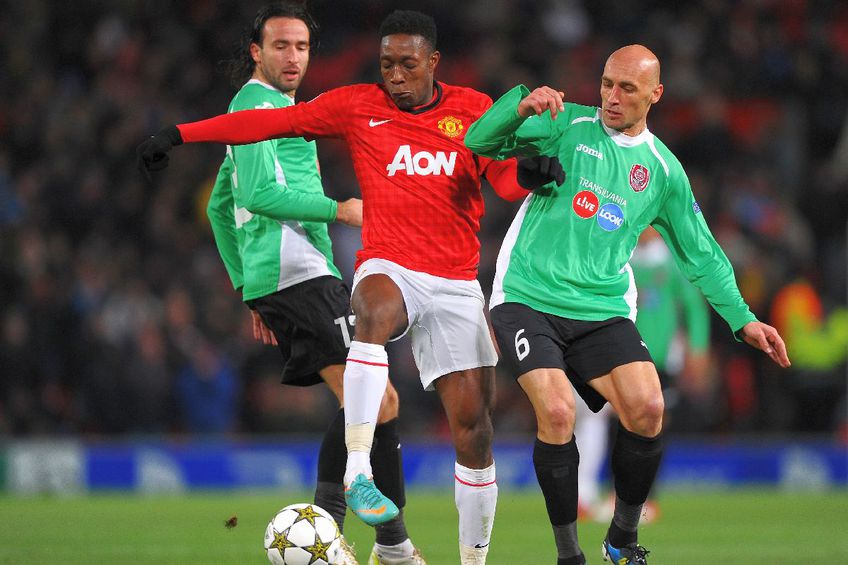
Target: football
(302, 534)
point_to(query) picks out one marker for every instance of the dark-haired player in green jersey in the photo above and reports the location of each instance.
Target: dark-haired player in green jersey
(269, 216)
(564, 298)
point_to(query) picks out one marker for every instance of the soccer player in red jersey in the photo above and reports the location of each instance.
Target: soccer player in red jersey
(417, 270)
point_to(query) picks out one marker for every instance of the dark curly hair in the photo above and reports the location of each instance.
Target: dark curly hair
(410, 22)
(239, 67)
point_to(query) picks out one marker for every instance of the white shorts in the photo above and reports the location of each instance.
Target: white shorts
(447, 324)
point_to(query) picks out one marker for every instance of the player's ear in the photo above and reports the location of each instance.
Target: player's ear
(657, 94)
(254, 52)
(435, 57)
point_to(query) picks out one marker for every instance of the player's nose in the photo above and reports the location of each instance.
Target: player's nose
(396, 76)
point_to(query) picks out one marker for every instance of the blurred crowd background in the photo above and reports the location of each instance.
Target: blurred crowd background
(116, 314)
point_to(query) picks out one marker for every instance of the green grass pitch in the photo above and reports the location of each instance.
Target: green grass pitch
(730, 527)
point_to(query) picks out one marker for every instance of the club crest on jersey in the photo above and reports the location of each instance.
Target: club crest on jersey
(610, 216)
(451, 126)
(585, 204)
(639, 177)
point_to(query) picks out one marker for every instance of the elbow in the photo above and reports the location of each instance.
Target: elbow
(473, 143)
(212, 211)
(252, 204)
(479, 147)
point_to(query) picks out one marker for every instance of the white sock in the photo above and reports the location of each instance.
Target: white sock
(399, 551)
(591, 431)
(476, 496)
(365, 377)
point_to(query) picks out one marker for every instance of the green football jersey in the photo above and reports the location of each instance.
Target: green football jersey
(268, 210)
(567, 250)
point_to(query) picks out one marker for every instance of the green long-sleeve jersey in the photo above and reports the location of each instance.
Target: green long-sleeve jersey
(567, 250)
(268, 210)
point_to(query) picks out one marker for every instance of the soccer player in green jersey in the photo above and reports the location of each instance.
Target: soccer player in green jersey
(564, 299)
(269, 216)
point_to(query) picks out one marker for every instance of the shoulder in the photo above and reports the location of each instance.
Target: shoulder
(255, 95)
(576, 113)
(473, 98)
(666, 157)
(345, 94)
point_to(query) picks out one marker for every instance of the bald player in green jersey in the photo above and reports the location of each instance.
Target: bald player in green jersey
(564, 300)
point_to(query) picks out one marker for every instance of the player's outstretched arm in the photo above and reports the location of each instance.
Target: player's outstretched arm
(765, 338)
(235, 128)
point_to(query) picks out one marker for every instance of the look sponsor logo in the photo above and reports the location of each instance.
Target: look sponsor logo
(585, 204)
(610, 216)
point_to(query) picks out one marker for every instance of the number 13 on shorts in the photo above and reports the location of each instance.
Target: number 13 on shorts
(343, 322)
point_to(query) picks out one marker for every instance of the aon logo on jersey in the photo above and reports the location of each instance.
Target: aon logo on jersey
(422, 163)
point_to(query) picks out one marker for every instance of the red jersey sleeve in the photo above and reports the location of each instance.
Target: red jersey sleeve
(320, 117)
(502, 175)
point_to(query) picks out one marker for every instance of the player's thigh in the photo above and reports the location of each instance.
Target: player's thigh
(597, 348)
(550, 393)
(381, 300)
(634, 391)
(451, 333)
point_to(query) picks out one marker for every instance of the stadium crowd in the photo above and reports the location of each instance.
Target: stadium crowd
(117, 315)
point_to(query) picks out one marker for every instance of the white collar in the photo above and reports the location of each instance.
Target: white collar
(622, 139)
(269, 87)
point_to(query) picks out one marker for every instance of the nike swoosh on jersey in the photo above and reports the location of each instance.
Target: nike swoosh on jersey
(374, 123)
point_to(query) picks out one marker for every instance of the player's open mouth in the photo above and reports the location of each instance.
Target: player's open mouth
(612, 114)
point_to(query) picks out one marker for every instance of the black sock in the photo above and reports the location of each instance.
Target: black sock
(635, 461)
(387, 465)
(392, 532)
(332, 458)
(556, 471)
(575, 560)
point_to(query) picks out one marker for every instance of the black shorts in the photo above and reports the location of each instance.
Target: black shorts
(584, 350)
(313, 324)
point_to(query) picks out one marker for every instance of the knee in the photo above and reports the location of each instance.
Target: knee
(556, 421)
(389, 406)
(646, 418)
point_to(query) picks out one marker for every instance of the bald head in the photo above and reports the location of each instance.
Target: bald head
(639, 60)
(629, 86)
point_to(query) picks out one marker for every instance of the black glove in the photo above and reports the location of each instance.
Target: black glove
(152, 153)
(535, 172)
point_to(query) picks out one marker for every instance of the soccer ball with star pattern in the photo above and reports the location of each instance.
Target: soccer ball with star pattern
(302, 534)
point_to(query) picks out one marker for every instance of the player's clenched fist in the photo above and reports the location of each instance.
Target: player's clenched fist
(541, 99)
(535, 172)
(152, 153)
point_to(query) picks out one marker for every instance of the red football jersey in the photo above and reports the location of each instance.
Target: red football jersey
(420, 185)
